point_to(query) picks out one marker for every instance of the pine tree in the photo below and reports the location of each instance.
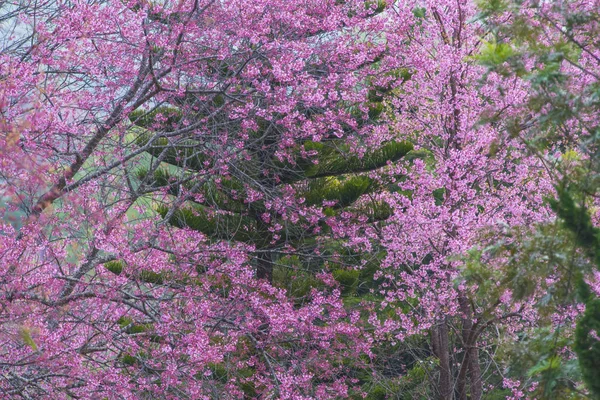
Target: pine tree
(327, 178)
(319, 171)
(576, 218)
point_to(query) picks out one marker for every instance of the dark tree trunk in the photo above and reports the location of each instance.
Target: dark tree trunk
(439, 341)
(475, 373)
(461, 381)
(471, 356)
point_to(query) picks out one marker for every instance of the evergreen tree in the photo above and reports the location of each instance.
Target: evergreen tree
(296, 208)
(324, 179)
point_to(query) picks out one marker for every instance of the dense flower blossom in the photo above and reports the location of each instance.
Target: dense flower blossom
(123, 124)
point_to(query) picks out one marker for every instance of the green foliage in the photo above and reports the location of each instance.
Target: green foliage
(130, 360)
(376, 6)
(214, 195)
(139, 328)
(225, 226)
(420, 12)
(545, 366)
(538, 356)
(345, 191)
(116, 267)
(375, 110)
(124, 322)
(219, 372)
(438, 195)
(490, 7)
(378, 392)
(25, 334)
(152, 277)
(161, 177)
(497, 394)
(348, 279)
(587, 346)
(145, 119)
(493, 54)
(415, 384)
(377, 211)
(336, 162)
(523, 259)
(577, 219)
(291, 273)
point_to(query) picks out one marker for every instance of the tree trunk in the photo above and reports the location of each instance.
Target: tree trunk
(461, 381)
(475, 373)
(471, 357)
(439, 341)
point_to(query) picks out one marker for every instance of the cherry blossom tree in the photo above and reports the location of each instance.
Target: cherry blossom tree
(469, 187)
(101, 295)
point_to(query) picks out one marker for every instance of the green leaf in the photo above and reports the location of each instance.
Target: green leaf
(25, 335)
(494, 54)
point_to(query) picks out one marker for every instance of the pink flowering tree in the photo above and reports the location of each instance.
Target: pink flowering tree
(478, 272)
(102, 295)
(471, 191)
